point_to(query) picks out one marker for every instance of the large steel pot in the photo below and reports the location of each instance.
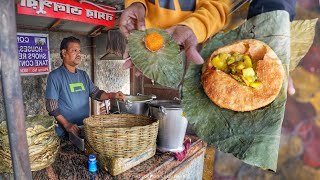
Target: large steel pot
(135, 104)
(172, 124)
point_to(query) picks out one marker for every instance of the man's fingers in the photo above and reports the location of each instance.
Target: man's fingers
(141, 24)
(132, 18)
(178, 37)
(291, 89)
(193, 55)
(127, 22)
(124, 31)
(128, 64)
(140, 13)
(123, 27)
(123, 24)
(130, 27)
(181, 34)
(189, 44)
(78, 130)
(120, 95)
(171, 30)
(126, 53)
(76, 127)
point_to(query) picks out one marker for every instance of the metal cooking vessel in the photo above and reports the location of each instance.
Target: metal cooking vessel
(135, 104)
(172, 124)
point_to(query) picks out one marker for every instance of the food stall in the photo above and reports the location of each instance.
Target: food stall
(105, 70)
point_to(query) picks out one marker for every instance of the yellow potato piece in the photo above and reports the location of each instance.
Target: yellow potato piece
(245, 80)
(219, 63)
(247, 61)
(231, 60)
(250, 79)
(224, 56)
(255, 85)
(238, 56)
(240, 66)
(248, 72)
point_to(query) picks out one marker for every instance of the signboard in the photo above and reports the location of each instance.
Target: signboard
(34, 56)
(69, 9)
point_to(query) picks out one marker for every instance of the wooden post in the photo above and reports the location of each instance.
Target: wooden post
(93, 53)
(12, 93)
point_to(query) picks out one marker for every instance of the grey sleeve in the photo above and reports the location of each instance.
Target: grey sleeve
(96, 93)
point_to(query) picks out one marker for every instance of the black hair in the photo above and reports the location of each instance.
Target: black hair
(65, 43)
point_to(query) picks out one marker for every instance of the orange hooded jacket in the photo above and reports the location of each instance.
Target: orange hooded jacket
(204, 17)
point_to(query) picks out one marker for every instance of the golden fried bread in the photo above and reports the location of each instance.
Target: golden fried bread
(228, 93)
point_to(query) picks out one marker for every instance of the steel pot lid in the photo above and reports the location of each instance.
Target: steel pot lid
(166, 103)
(139, 98)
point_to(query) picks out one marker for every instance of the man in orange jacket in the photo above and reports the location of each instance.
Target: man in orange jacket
(189, 22)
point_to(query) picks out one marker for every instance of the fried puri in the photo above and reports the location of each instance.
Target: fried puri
(225, 91)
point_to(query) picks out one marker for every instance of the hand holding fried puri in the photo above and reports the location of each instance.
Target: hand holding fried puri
(243, 76)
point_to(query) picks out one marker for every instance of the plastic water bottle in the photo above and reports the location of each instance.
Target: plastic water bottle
(92, 166)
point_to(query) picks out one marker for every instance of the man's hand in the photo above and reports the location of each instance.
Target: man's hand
(120, 95)
(184, 36)
(73, 128)
(132, 18)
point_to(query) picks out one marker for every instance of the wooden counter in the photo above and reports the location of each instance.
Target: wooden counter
(71, 163)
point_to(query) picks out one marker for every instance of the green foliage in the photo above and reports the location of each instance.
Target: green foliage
(302, 35)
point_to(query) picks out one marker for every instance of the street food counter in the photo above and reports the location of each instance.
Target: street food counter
(71, 163)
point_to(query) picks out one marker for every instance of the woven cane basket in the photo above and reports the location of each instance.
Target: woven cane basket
(43, 143)
(120, 135)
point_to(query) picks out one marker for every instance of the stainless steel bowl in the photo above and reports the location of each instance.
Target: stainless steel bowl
(135, 104)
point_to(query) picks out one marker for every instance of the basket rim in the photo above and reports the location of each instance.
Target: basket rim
(119, 128)
(152, 120)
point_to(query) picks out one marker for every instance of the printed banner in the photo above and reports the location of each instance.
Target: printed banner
(34, 55)
(85, 11)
